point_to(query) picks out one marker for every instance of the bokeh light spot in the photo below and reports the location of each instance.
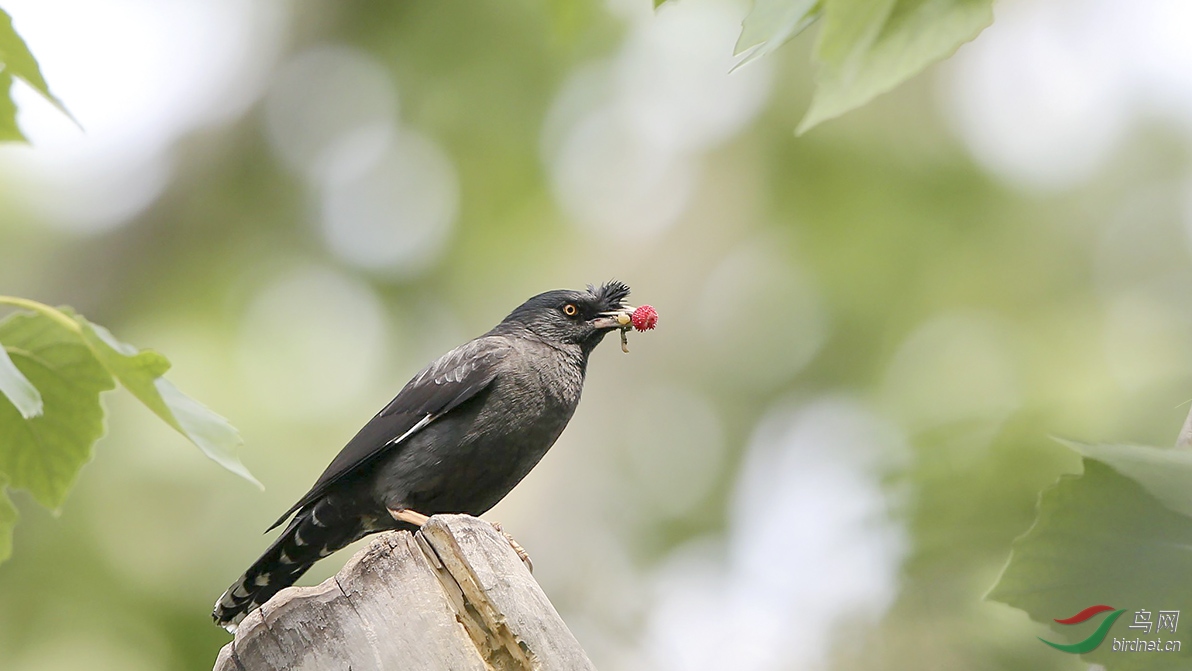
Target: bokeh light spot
(396, 217)
(312, 344)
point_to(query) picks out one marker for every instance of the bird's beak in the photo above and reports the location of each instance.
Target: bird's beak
(614, 319)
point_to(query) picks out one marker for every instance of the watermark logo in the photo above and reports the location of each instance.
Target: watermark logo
(1164, 620)
(1145, 620)
(1089, 644)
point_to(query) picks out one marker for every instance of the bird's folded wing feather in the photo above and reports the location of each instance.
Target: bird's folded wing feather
(435, 391)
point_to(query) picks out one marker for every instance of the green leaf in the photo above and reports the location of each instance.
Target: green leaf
(69, 361)
(659, 3)
(19, 62)
(867, 47)
(9, 130)
(1102, 538)
(17, 388)
(8, 520)
(770, 24)
(1165, 473)
(44, 454)
(140, 372)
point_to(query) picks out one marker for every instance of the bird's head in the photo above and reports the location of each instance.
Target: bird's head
(574, 317)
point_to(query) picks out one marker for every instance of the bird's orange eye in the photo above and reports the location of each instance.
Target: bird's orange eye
(570, 310)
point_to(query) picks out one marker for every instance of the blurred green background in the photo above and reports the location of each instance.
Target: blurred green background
(867, 333)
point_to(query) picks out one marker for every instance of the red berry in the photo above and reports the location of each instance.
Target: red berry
(645, 318)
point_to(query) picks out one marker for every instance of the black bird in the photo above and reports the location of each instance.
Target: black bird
(456, 439)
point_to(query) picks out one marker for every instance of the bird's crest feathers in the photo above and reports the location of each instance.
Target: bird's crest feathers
(612, 293)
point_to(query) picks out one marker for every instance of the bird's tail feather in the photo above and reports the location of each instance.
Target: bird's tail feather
(315, 532)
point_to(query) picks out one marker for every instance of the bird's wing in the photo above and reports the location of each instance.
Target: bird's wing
(439, 388)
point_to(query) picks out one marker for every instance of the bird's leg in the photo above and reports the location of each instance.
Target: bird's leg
(521, 551)
(408, 516)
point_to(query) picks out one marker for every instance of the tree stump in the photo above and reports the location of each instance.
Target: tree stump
(451, 597)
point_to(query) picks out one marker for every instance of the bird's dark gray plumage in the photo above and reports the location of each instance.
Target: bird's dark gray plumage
(456, 439)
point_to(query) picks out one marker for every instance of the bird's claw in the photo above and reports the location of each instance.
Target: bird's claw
(521, 552)
(408, 516)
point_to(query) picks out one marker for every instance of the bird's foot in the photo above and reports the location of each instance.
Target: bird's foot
(521, 551)
(408, 516)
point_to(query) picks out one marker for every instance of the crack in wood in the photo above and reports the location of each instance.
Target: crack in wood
(494, 641)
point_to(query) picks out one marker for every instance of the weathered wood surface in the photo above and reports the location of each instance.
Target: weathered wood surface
(452, 597)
